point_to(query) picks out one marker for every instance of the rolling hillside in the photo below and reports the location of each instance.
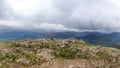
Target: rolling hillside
(56, 53)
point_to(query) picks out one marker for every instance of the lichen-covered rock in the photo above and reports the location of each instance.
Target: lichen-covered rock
(23, 61)
(45, 55)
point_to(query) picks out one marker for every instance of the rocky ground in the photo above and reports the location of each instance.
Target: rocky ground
(56, 53)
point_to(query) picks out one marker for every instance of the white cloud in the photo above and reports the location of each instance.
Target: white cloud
(52, 27)
(13, 24)
(42, 26)
(30, 8)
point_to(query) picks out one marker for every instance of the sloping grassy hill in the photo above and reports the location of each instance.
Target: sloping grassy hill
(56, 53)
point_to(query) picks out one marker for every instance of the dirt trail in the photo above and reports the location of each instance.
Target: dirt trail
(77, 63)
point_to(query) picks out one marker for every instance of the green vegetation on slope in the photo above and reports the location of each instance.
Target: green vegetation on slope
(28, 52)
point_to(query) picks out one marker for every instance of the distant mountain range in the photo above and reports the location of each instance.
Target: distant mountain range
(18, 35)
(102, 38)
(97, 38)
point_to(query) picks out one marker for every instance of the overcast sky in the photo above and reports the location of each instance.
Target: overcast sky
(60, 15)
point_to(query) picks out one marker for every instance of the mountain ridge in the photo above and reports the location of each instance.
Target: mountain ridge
(96, 38)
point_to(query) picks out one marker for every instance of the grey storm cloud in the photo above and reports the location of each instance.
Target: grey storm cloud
(61, 15)
(5, 10)
(2, 9)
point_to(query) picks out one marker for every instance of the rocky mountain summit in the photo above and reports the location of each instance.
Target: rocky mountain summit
(56, 53)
